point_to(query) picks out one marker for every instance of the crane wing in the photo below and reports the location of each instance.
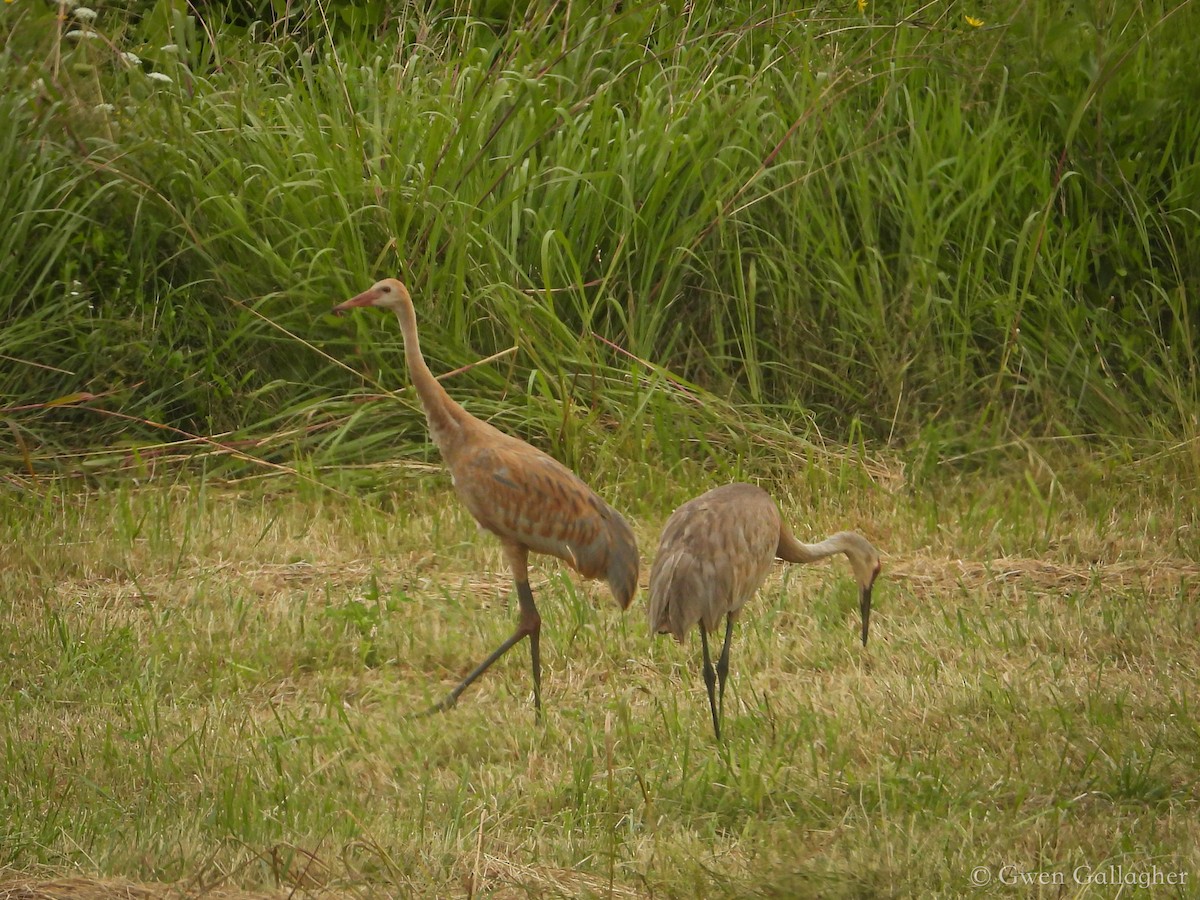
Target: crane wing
(522, 495)
(714, 553)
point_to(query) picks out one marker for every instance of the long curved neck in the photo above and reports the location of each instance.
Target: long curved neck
(794, 551)
(443, 414)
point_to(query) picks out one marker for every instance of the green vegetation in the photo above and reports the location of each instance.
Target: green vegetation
(900, 229)
(930, 275)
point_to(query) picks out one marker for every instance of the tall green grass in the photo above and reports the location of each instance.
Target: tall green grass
(699, 228)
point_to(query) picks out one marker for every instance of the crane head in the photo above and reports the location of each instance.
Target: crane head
(864, 560)
(388, 293)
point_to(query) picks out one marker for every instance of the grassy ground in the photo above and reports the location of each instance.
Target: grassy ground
(213, 684)
(688, 242)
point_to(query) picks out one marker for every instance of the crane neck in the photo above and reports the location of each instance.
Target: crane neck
(441, 411)
(795, 551)
(864, 559)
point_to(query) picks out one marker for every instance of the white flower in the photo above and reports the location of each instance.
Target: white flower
(105, 108)
(159, 76)
(78, 35)
(83, 14)
(169, 48)
(131, 58)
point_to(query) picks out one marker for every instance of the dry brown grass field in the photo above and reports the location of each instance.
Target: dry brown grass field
(211, 688)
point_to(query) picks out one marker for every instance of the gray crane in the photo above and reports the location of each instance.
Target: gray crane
(715, 552)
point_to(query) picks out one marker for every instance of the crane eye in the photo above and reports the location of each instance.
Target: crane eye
(387, 289)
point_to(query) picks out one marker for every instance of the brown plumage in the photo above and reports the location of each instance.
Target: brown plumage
(715, 552)
(528, 499)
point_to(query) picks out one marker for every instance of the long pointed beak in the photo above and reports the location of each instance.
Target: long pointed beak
(864, 605)
(366, 298)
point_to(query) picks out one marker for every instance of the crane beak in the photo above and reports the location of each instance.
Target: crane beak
(366, 298)
(864, 601)
(864, 605)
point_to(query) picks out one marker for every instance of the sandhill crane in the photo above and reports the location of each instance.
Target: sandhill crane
(528, 499)
(715, 552)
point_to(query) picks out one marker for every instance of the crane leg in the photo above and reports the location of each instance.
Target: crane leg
(710, 682)
(529, 625)
(533, 622)
(723, 665)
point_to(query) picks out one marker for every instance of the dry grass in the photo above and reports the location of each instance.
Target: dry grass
(215, 688)
(120, 889)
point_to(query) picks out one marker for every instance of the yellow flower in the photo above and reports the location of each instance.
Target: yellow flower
(862, 5)
(973, 22)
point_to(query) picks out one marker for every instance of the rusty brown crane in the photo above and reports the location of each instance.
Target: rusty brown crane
(715, 552)
(528, 499)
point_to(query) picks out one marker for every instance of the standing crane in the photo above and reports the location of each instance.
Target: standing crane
(715, 552)
(528, 499)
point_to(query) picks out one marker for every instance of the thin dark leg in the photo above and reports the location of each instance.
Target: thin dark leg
(710, 681)
(529, 626)
(531, 620)
(723, 664)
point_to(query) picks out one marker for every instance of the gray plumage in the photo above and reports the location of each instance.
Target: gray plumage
(714, 554)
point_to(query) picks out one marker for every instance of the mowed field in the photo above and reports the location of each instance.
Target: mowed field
(212, 687)
(924, 271)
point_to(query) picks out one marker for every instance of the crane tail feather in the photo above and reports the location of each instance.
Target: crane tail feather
(622, 571)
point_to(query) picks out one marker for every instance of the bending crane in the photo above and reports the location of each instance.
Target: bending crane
(715, 552)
